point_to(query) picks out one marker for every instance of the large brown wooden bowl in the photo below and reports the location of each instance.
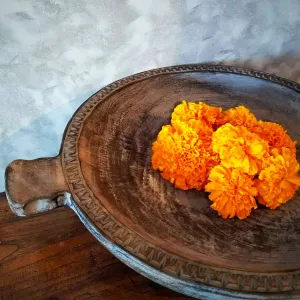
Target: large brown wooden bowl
(171, 236)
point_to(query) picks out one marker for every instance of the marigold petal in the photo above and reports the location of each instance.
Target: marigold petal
(182, 157)
(275, 135)
(239, 148)
(238, 116)
(278, 181)
(232, 192)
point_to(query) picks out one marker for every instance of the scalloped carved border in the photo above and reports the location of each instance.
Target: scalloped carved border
(132, 242)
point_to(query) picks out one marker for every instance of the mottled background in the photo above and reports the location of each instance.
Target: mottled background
(55, 53)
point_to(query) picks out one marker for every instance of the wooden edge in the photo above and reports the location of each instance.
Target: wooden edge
(35, 186)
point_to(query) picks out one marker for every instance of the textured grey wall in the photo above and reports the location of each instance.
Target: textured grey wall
(55, 53)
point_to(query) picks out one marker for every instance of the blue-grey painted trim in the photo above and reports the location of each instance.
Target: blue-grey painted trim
(189, 288)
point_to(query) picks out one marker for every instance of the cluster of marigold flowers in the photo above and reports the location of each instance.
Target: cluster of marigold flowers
(238, 159)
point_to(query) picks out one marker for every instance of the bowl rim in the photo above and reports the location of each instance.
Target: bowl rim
(189, 288)
(125, 241)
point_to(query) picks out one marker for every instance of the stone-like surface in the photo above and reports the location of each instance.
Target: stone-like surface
(55, 53)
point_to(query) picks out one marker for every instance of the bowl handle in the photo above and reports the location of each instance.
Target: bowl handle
(35, 186)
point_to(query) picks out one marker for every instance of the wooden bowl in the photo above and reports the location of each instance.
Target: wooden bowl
(172, 236)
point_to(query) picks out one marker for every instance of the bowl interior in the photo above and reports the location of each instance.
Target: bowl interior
(115, 157)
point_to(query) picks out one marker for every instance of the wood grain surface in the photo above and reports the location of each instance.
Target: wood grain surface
(52, 256)
(114, 158)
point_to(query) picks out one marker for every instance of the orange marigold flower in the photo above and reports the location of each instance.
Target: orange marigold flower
(203, 130)
(275, 135)
(232, 192)
(181, 157)
(238, 116)
(239, 148)
(198, 116)
(196, 111)
(223, 151)
(278, 182)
